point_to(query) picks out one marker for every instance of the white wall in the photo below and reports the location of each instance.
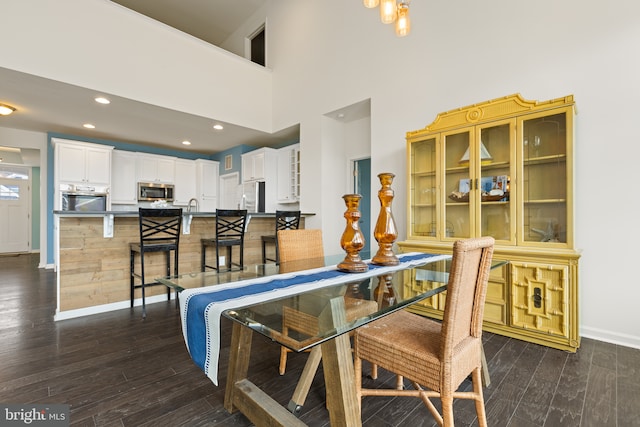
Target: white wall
(329, 54)
(460, 54)
(37, 141)
(100, 45)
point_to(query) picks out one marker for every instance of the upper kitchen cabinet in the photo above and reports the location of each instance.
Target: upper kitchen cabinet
(289, 174)
(155, 168)
(259, 165)
(81, 163)
(185, 182)
(207, 174)
(123, 178)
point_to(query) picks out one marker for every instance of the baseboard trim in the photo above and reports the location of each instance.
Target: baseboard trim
(104, 308)
(624, 340)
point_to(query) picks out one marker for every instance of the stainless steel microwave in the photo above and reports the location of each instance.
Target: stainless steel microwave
(151, 191)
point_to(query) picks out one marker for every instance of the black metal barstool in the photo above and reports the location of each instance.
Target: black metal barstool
(230, 229)
(285, 220)
(159, 232)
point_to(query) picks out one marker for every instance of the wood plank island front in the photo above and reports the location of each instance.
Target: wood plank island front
(93, 270)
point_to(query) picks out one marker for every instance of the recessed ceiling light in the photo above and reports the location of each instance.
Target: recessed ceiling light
(186, 142)
(102, 100)
(89, 126)
(218, 127)
(5, 110)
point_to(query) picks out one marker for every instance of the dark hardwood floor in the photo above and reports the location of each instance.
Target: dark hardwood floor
(115, 369)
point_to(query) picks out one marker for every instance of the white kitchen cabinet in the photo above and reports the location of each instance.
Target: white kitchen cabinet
(123, 178)
(258, 164)
(82, 164)
(207, 173)
(155, 168)
(289, 174)
(185, 182)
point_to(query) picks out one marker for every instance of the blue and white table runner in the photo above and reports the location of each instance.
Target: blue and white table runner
(201, 308)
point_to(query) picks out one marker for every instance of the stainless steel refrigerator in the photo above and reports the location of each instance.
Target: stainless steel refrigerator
(253, 199)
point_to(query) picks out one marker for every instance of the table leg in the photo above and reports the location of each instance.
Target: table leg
(304, 384)
(339, 375)
(238, 361)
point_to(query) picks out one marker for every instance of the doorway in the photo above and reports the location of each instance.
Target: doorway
(362, 186)
(229, 191)
(15, 197)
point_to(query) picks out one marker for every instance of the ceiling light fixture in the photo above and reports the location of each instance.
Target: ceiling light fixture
(186, 142)
(218, 127)
(89, 126)
(393, 11)
(5, 109)
(102, 100)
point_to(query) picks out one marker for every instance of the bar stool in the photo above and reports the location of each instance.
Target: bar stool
(230, 229)
(159, 232)
(285, 220)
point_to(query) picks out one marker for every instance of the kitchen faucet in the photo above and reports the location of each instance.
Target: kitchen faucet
(193, 199)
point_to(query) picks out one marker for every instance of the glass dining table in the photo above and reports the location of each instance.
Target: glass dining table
(303, 305)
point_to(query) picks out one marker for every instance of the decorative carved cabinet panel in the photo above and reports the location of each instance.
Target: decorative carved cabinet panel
(502, 168)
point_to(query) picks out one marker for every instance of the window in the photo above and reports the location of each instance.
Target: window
(14, 172)
(258, 47)
(9, 192)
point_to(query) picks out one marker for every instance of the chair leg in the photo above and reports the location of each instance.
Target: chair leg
(264, 252)
(277, 257)
(283, 360)
(476, 377)
(203, 256)
(142, 276)
(132, 277)
(241, 248)
(168, 259)
(447, 411)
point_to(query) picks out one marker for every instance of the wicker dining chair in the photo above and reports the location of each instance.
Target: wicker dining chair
(302, 250)
(299, 249)
(438, 356)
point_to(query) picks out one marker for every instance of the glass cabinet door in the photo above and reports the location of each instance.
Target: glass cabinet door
(544, 178)
(495, 149)
(457, 185)
(423, 161)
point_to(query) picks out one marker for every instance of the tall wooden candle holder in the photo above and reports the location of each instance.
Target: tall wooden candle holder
(352, 240)
(385, 231)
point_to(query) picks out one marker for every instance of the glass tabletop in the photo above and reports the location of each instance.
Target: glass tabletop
(307, 319)
(212, 278)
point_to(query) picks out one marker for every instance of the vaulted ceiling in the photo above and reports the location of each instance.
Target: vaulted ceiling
(40, 108)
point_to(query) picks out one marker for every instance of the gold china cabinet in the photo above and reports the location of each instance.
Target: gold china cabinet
(502, 168)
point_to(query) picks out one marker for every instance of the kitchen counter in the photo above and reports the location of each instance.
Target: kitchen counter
(92, 256)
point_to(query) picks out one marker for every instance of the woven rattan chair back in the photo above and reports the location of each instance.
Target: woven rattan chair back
(304, 244)
(466, 292)
(436, 357)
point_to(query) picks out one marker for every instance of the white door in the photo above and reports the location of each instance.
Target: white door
(229, 195)
(14, 215)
